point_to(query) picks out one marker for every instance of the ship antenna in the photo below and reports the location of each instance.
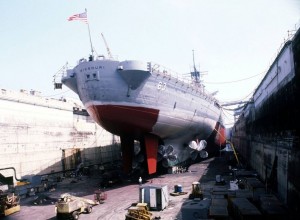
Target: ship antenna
(196, 74)
(107, 48)
(194, 61)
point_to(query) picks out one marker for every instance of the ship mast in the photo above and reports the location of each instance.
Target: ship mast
(92, 48)
(196, 74)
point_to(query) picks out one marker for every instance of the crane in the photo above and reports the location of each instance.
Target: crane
(107, 48)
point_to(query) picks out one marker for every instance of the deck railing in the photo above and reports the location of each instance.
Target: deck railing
(159, 70)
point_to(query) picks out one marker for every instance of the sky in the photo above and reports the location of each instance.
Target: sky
(234, 41)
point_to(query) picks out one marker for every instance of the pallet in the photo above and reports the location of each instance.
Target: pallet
(178, 193)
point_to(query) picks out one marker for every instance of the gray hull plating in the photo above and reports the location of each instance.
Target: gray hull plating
(186, 111)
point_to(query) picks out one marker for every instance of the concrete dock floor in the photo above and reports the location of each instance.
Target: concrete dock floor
(120, 197)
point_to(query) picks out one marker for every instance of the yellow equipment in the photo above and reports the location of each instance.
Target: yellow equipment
(138, 212)
(9, 204)
(231, 144)
(235, 154)
(71, 206)
(196, 191)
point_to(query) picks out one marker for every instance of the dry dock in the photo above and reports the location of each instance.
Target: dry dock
(250, 202)
(267, 133)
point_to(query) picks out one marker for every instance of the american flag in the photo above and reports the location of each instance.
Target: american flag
(79, 17)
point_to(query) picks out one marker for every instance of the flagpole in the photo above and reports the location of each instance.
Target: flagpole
(92, 50)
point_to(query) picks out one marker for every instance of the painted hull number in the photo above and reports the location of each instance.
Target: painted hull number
(161, 86)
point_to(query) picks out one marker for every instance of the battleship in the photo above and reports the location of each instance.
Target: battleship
(169, 117)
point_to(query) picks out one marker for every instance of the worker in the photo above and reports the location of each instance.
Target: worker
(140, 180)
(101, 168)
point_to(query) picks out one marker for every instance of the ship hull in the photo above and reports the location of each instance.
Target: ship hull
(124, 120)
(134, 99)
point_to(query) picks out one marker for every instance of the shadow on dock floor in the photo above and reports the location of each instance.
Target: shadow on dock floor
(222, 202)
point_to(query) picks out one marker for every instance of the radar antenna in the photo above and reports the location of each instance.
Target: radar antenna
(107, 48)
(195, 74)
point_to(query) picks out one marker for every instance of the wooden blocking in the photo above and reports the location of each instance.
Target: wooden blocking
(195, 209)
(218, 212)
(244, 193)
(272, 208)
(219, 192)
(219, 202)
(256, 187)
(243, 209)
(218, 209)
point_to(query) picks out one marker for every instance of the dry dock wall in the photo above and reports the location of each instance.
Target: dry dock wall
(40, 135)
(266, 133)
